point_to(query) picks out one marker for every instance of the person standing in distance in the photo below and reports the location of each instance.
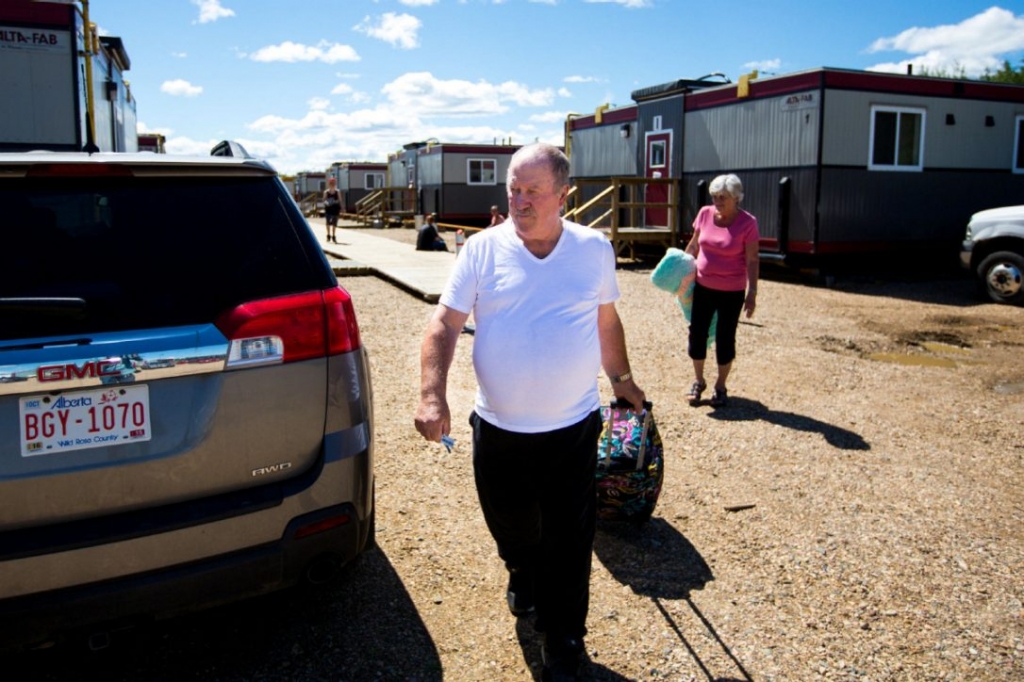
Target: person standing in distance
(725, 243)
(332, 208)
(543, 292)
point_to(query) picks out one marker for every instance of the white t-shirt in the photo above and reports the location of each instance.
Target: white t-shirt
(536, 349)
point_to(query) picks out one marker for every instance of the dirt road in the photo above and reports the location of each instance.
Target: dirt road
(875, 441)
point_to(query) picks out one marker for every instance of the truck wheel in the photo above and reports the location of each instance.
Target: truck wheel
(1002, 276)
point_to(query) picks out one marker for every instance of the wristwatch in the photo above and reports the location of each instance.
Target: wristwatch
(622, 378)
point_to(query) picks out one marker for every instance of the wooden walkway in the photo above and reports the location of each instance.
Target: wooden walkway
(423, 273)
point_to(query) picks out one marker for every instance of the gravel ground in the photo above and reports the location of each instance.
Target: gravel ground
(874, 444)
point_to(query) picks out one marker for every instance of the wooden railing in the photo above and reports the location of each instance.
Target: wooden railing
(309, 204)
(370, 207)
(399, 204)
(628, 210)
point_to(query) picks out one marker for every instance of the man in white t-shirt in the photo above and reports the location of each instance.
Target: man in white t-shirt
(542, 291)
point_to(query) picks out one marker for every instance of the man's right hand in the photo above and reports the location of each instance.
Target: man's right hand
(433, 418)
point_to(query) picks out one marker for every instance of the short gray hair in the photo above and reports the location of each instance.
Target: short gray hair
(557, 162)
(730, 183)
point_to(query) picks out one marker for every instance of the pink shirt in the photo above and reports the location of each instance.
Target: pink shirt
(722, 259)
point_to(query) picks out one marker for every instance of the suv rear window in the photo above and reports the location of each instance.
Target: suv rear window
(145, 252)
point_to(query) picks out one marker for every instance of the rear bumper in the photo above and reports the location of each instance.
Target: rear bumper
(128, 578)
(179, 589)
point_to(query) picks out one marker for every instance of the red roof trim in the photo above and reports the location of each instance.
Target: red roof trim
(610, 117)
(857, 80)
(468, 149)
(923, 86)
(39, 13)
(773, 87)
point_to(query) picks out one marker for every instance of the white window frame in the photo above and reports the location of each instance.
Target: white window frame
(493, 163)
(373, 181)
(894, 166)
(659, 144)
(656, 123)
(1017, 162)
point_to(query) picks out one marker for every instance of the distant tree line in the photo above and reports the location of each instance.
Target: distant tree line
(1006, 74)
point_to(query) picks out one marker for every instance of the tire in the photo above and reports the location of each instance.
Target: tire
(1002, 277)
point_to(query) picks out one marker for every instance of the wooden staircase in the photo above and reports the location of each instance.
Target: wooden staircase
(617, 206)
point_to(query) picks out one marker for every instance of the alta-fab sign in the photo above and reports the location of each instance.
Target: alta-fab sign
(21, 38)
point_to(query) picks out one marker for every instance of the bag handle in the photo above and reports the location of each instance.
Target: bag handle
(620, 404)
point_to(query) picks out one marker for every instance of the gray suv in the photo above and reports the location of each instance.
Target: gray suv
(185, 404)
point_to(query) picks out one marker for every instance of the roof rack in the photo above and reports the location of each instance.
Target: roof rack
(230, 148)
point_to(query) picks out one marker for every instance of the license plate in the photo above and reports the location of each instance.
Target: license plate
(77, 420)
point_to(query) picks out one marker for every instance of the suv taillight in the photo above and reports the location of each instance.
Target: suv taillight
(314, 324)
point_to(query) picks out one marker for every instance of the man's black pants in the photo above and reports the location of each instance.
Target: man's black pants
(539, 500)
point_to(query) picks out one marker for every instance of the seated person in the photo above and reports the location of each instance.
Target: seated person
(496, 217)
(429, 239)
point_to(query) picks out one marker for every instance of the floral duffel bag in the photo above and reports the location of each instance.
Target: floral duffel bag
(630, 463)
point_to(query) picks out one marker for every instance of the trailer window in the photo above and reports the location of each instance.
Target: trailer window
(373, 181)
(897, 139)
(1018, 146)
(482, 171)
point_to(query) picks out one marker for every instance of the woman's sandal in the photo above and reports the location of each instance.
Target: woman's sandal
(719, 397)
(695, 392)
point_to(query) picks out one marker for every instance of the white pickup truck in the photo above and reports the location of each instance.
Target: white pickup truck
(993, 250)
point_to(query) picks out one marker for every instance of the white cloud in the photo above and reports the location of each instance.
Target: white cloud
(564, 92)
(632, 4)
(764, 65)
(582, 79)
(418, 106)
(211, 10)
(550, 117)
(180, 88)
(400, 30)
(319, 103)
(418, 3)
(323, 51)
(142, 128)
(341, 89)
(426, 95)
(186, 145)
(179, 55)
(973, 45)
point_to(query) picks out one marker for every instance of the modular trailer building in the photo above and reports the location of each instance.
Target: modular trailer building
(836, 162)
(458, 182)
(357, 180)
(47, 59)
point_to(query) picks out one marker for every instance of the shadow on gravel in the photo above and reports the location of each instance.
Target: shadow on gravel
(653, 558)
(657, 561)
(743, 409)
(530, 642)
(364, 626)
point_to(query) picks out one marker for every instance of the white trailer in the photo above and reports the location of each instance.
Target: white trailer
(63, 86)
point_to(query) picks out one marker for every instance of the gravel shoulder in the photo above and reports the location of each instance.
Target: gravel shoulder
(875, 440)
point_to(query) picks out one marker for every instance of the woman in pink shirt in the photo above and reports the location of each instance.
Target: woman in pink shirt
(725, 244)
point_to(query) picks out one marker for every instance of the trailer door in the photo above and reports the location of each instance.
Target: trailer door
(657, 164)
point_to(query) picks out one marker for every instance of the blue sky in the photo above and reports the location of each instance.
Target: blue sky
(307, 83)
